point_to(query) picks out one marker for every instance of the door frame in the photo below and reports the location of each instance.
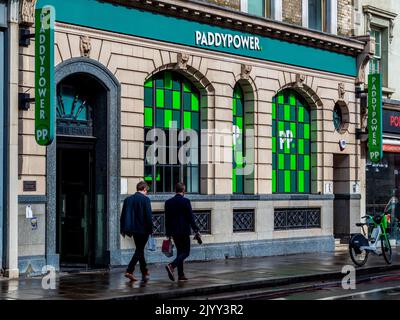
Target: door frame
(113, 89)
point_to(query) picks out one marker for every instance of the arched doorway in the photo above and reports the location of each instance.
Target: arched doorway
(83, 168)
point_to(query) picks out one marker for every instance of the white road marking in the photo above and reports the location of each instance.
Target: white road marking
(359, 293)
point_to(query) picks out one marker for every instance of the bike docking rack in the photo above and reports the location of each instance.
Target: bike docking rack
(361, 245)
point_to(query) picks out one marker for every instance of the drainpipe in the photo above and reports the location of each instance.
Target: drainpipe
(11, 128)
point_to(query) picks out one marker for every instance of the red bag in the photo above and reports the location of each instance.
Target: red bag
(167, 248)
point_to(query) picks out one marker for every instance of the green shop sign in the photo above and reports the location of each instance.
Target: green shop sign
(375, 117)
(44, 75)
(134, 22)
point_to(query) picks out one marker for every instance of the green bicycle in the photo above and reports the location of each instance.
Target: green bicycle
(378, 243)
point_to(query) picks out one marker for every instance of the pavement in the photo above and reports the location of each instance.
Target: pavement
(211, 277)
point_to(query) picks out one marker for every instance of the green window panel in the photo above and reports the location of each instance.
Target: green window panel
(168, 80)
(176, 99)
(300, 144)
(293, 162)
(306, 131)
(301, 181)
(160, 118)
(187, 121)
(301, 114)
(287, 112)
(168, 118)
(176, 85)
(291, 143)
(148, 97)
(168, 99)
(293, 180)
(274, 144)
(307, 162)
(273, 110)
(238, 146)
(281, 99)
(187, 101)
(273, 181)
(149, 83)
(160, 82)
(148, 117)
(186, 87)
(176, 117)
(195, 102)
(159, 98)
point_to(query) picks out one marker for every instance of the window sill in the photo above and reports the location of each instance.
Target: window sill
(388, 92)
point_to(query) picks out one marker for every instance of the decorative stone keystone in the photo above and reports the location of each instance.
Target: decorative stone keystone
(245, 73)
(300, 78)
(341, 91)
(183, 59)
(86, 46)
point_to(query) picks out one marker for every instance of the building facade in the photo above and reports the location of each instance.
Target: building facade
(379, 19)
(261, 96)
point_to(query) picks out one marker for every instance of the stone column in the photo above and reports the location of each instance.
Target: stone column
(11, 128)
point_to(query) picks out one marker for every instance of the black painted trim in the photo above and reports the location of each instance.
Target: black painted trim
(25, 199)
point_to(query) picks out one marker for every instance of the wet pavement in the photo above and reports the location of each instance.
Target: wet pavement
(204, 278)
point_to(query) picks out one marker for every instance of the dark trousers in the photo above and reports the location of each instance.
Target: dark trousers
(140, 243)
(182, 244)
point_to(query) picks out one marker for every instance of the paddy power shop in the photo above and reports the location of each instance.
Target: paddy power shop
(383, 177)
(280, 105)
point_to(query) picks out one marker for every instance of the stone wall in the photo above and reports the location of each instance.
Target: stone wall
(233, 4)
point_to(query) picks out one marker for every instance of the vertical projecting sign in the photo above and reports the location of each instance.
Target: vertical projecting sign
(375, 117)
(44, 76)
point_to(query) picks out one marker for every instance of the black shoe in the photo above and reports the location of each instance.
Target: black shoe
(183, 278)
(170, 271)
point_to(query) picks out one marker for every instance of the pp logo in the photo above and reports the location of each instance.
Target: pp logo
(349, 280)
(285, 136)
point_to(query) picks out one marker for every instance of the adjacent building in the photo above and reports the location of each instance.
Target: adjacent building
(380, 19)
(262, 87)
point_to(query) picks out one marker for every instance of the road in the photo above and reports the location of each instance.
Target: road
(374, 287)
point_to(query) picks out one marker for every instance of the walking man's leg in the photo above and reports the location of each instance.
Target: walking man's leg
(183, 250)
(140, 243)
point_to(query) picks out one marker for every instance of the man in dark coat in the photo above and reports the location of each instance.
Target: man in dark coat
(179, 219)
(137, 222)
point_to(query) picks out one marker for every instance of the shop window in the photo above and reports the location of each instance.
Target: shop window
(172, 104)
(317, 14)
(239, 128)
(291, 143)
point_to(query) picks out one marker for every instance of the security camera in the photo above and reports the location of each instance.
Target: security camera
(342, 144)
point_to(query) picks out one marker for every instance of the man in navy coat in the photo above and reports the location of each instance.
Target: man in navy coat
(179, 220)
(137, 222)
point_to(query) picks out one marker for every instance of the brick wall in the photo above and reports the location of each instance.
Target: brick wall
(291, 11)
(233, 4)
(345, 17)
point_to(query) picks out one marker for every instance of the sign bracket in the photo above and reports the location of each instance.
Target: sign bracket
(25, 36)
(25, 101)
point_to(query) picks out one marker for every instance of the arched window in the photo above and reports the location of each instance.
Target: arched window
(171, 102)
(291, 143)
(239, 128)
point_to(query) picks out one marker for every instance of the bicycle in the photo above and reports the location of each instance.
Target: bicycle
(360, 245)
